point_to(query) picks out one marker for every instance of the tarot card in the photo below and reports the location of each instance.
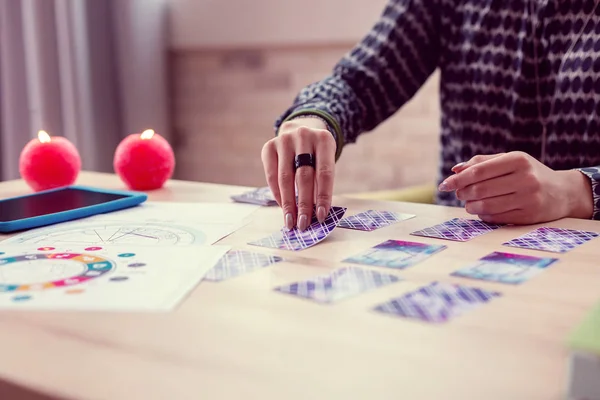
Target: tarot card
(238, 262)
(555, 240)
(261, 196)
(397, 254)
(340, 284)
(299, 240)
(437, 302)
(371, 220)
(458, 229)
(506, 268)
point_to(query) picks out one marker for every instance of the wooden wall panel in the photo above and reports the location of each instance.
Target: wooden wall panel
(225, 102)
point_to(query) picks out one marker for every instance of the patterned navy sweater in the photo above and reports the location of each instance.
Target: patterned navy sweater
(509, 70)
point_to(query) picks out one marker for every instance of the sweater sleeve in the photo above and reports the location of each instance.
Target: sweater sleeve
(378, 76)
(594, 174)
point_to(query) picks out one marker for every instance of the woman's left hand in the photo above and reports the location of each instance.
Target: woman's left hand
(515, 188)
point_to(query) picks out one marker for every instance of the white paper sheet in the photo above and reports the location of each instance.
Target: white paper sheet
(113, 278)
(153, 223)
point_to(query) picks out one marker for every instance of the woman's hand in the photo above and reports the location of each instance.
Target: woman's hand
(315, 185)
(515, 188)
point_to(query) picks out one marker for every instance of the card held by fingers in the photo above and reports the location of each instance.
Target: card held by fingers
(371, 220)
(338, 285)
(458, 229)
(437, 302)
(555, 240)
(296, 239)
(397, 254)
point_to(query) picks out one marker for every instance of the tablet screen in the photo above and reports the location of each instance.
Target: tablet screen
(52, 202)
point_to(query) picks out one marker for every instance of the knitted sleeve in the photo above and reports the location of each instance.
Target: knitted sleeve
(594, 174)
(379, 75)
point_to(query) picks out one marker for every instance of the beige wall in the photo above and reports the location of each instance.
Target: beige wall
(217, 23)
(228, 87)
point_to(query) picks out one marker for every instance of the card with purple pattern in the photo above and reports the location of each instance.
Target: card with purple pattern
(261, 196)
(437, 302)
(238, 262)
(458, 229)
(397, 254)
(506, 268)
(371, 220)
(299, 240)
(555, 240)
(340, 284)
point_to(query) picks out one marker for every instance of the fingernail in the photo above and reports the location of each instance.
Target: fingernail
(302, 222)
(289, 222)
(444, 187)
(458, 166)
(321, 215)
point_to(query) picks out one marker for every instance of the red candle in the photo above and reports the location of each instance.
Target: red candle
(144, 161)
(49, 162)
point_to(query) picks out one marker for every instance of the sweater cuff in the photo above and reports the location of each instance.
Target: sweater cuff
(330, 121)
(594, 174)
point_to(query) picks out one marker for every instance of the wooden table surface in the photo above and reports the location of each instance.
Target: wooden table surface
(239, 339)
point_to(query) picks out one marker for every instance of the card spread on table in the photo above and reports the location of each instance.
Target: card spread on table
(340, 284)
(261, 196)
(458, 229)
(299, 240)
(437, 302)
(506, 268)
(371, 220)
(555, 240)
(238, 262)
(396, 254)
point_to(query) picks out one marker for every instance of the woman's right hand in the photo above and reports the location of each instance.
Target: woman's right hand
(315, 186)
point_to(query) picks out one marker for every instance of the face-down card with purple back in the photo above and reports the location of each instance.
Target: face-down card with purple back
(371, 220)
(296, 239)
(238, 262)
(458, 229)
(555, 240)
(437, 302)
(261, 196)
(339, 284)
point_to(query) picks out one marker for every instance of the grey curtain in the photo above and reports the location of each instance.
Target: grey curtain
(90, 70)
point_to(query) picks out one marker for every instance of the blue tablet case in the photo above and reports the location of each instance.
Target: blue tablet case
(130, 199)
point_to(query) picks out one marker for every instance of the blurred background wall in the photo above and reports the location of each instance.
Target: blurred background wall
(210, 75)
(235, 67)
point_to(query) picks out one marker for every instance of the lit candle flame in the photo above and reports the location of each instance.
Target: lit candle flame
(147, 134)
(43, 137)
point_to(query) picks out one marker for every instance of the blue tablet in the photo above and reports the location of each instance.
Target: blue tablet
(63, 204)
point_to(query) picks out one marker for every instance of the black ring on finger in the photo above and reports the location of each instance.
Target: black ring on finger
(304, 160)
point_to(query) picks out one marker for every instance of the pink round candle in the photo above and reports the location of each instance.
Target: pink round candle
(144, 161)
(49, 162)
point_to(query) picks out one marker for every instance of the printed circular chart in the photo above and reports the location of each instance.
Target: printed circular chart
(118, 233)
(43, 271)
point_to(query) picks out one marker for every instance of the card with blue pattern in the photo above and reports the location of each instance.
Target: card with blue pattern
(398, 254)
(506, 268)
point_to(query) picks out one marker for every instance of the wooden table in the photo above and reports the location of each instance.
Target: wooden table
(238, 339)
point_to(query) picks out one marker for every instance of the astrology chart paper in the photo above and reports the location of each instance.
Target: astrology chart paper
(154, 224)
(111, 278)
